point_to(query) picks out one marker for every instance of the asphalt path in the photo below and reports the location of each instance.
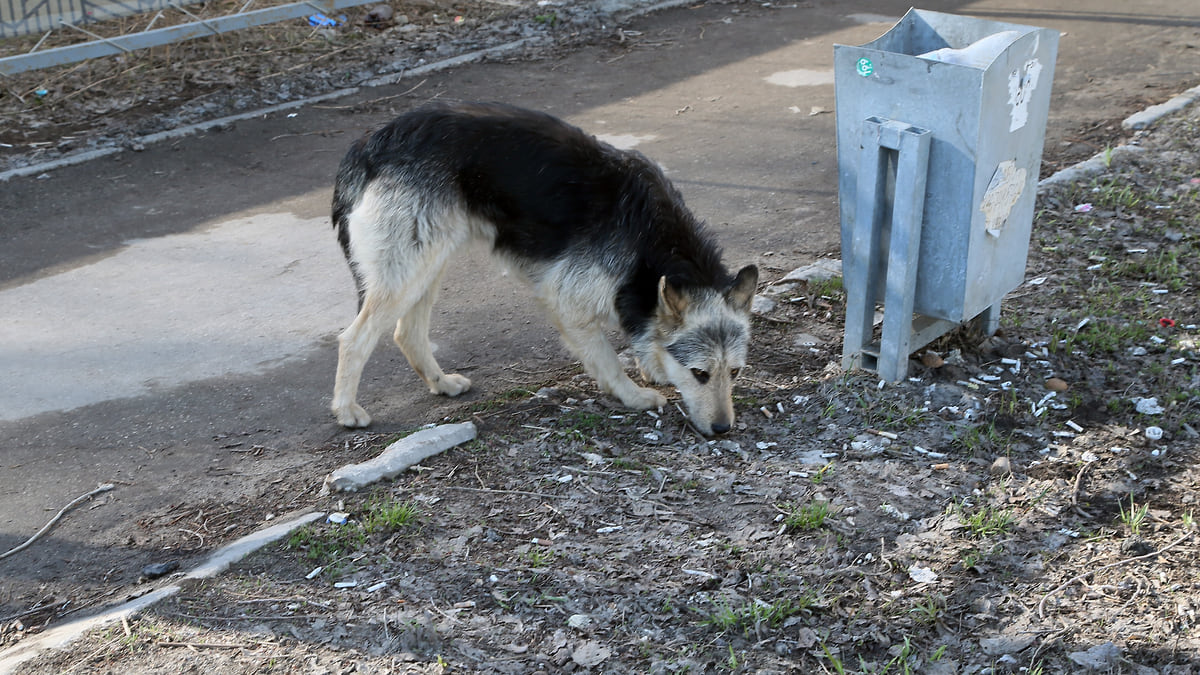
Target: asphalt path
(165, 310)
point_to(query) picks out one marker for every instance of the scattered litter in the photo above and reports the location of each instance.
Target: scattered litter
(1166, 322)
(579, 621)
(610, 529)
(375, 587)
(1088, 457)
(1178, 361)
(41, 92)
(763, 445)
(1037, 281)
(322, 20)
(316, 572)
(1074, 426)
(922, 575)
(894, 512)
(1154, 433)
(1148, 406)
(338, 518)
(700, 573)
(346, 584)
(1083, 208)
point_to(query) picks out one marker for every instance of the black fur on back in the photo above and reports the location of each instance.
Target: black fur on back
(550, 190)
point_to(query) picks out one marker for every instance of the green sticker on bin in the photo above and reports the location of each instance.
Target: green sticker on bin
(865, 67)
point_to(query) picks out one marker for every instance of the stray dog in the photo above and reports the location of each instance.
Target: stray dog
(600, 234)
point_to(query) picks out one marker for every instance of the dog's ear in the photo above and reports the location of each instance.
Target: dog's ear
(672, 302)
(741, 293)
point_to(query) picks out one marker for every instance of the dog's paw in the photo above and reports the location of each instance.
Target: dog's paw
(644, 398)
(352, 416)
(451, 384)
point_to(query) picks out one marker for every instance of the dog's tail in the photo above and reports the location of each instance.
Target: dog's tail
(352, 178)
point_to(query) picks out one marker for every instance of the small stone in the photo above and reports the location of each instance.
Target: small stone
(1135, 547)
(1002, 467)
(156, 570)
(1057, 384)
(1100, 657)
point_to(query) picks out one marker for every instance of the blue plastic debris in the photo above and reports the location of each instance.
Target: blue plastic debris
(321, 20)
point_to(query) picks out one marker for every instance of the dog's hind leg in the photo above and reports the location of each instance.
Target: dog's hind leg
(412, 336)
(355, 345)
(591, 346)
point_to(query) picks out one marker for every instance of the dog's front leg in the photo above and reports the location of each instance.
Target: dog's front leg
(592, 347)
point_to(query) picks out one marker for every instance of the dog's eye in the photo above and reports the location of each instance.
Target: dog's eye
(734, 373)
(700, 375)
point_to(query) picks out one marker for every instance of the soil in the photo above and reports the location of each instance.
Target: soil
(99, 103)
(1011, 507)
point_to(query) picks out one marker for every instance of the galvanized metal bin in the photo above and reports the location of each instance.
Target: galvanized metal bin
(940, 126)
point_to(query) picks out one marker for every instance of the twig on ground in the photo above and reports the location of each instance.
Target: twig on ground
(29, 542)
(523, 493)
(1075, 490)
(1081, 577)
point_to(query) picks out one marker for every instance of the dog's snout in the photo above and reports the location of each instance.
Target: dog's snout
(720, 428)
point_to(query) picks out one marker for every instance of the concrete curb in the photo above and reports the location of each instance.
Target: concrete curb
(1149, 116)
(399, 456)
(61, 636)
(1137, 121)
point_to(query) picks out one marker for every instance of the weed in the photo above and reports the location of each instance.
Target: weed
(811, 516)
(756, 615)
(929, 609)
(1135, 517)
(540, 556)
(326, 546)
(388, 515)
(987, 521)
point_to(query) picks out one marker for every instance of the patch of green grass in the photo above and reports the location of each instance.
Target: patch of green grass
(986, 521)
(388, 515)
(805, 518)
(831, 287)
(928, 609)
(581, 424)
(755, 615)
(326, 545)
(540, 556)
(501, 400)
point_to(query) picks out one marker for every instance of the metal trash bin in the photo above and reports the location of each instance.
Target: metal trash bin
(940, 126)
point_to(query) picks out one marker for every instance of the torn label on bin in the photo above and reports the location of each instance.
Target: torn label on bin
(1003, 193)
(1021, 85)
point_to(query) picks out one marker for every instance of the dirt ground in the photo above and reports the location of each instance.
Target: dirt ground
(1009, 508)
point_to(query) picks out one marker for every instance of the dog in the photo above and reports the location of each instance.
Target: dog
(600, 234)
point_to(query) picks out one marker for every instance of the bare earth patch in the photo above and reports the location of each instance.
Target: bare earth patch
(1023, 503)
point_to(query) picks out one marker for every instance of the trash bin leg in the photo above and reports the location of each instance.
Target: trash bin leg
(909, 145)
(988, 321)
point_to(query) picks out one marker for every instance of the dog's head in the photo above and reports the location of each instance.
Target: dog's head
(700, 345)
